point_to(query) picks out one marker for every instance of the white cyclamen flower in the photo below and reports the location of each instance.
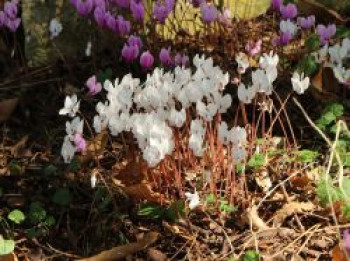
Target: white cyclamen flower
(55, 28)
(238, 136)
(177, 118)
(246, 95)
(300, 83)
(243, 62)
(71, 106)
(93, 180)
(342, 75)
(75, 126)
(286, 26)
(193, 199)
(68, 150)
(269, 60)
(238, 154)
(223, 132)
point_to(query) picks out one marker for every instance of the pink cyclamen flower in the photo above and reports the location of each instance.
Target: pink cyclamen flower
(135, 40)
(181, 60)
(209, 13)
(123, 3)
(326, 33)
(306, 22)
(346, 236)
(130, 52)
(160, 12)
(165, 57)
(93, 86)
(288, 11)
(100, 4)
(146, 60)
(276, 4)
(80, 143)
(225, 17)
(3, 18)
(123, 26)
(10, 10)
(137, 10)
(253, 48)
(84, 7)
(100, 16)
(13, 24)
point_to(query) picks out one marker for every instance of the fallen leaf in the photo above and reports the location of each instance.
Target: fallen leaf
(338, 254)
(290, 209)
(300, 181)
(120, 252)
(94, 147)
(317, 79)
(254, 218)
(19, 146)
(156, 255)
(9, 257)
(143, 191)
(7, 107)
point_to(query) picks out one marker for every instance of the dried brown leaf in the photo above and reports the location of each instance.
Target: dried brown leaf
(292, 208)
(19, 146)
(6, 108)
(120, 252)
(254, 218)
(143, 191)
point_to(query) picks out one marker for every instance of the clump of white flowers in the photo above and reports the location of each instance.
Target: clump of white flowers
(334, 57)
(262, 78)
(152, 110)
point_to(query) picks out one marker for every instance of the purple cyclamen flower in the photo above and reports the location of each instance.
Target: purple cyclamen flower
(306, 22)
(80, 143)
(209, 13)
(165, 57)
(137, 10)
(84, 7)
(346, 236)
(160, 12)
(101, 4)
(276, 4)
(196, 3)
(181, 60)
(146, 60)
(285, 38)
(289, 11)
(130, 52)
(169, 4)
(135, 40)
(123, 3)
(253, 48)
(10, 10)
(326, 33)
(3, 18)
(13, 24)
(123, 26)
(100, 16)
(93, 86)
(111, 22)
(73, 2)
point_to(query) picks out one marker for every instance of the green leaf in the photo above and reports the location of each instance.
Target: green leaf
(16, 216)
(251, 255)
(308, 66)
(35, 232)
(36, 213)
(306, 156)
(326, 119)
(50, 170)
(74, 165)
(226, 207)
(62, 197)
(322, 191)
(342, 32)
(175, 211)
(313, 43)
(50, 221)
(336, 108)
(151, 210)
(346, 187)
(256, 161)
(210, 199)
(346, 210)
(6, 246)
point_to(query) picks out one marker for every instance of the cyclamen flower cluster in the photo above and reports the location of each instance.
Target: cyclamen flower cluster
(334, 57)
(262, 78)
(152, 110)
(9, 16)
(73, 141)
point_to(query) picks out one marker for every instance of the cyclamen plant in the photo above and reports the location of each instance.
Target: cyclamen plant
(177, 113)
